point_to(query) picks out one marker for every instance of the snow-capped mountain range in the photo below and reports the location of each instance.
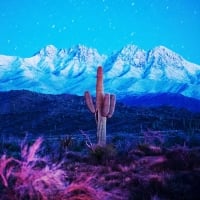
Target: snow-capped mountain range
(129, 71)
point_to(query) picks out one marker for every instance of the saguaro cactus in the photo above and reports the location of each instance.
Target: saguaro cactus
(105, 106)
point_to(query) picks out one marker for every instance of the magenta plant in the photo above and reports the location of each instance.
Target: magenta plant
(30, 180)
(5, 172)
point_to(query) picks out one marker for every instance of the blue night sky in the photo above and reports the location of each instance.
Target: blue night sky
(26, 26)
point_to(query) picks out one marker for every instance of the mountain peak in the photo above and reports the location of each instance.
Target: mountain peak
(130, 71)
(162, 51)
(84, 53)
(82, 49)
(161, 48)
(164, 56)
(49, 50)
(129, 49)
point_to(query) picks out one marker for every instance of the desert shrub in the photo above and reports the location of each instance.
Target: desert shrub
(178, 158)
(153, 137)
(149, 149)
(194, 158)
(103, 154)
(148, 186)
(175, 139)
(124, 144)
(184, 185)
(73, 156)
(80, 192)
(194, 140)
(77, 145)
(31, 177)
(182, 158)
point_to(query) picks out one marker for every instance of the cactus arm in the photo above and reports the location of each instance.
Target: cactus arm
(89, 102)
(112, 105)
(106, 105)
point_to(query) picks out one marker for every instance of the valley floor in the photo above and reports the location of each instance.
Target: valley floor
(65, 168)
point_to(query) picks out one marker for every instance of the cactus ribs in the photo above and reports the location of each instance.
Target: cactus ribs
(105, 106)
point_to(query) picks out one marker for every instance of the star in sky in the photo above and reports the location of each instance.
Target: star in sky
(107, 25)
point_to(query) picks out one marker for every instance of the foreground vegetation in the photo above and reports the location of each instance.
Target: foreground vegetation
(153, 167)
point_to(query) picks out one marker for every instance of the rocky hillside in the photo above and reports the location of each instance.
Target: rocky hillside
(25, 111)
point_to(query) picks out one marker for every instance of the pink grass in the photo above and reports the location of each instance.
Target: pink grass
(32, 182)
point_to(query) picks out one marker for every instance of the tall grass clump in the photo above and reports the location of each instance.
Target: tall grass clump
(30, 177)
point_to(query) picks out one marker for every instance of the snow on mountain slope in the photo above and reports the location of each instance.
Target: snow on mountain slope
(166, 64)
(129, 71)
(159, 70)
(127, 63)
